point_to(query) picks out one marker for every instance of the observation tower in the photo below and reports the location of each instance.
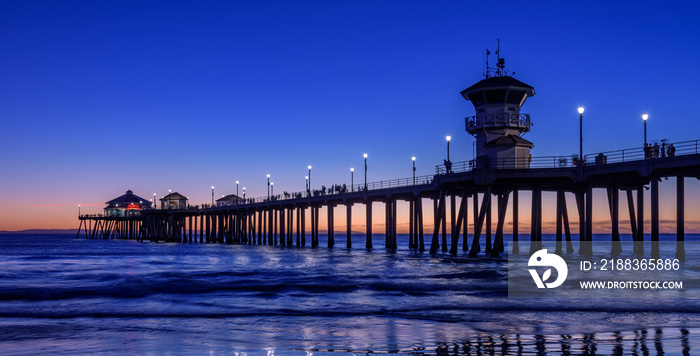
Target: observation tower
(498, 125)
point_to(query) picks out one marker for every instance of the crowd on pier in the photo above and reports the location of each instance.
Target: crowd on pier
(656, 151)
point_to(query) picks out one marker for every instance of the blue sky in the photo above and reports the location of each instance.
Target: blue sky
(100, 97)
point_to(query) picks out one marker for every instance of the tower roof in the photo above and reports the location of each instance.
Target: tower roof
(503, 82)
(509, 141)
(230, 197)
(173, 196)
(128, 198)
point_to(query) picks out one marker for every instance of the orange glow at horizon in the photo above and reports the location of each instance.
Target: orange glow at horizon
(50, 215)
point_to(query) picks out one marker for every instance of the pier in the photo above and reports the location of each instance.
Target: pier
(502, 169)
(293, 219)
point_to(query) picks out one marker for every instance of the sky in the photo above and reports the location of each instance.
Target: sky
(98, 97)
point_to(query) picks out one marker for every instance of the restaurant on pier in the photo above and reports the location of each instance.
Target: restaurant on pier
(128, 204)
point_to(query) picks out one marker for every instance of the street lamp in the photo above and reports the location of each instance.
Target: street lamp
(414, 169)
(243, 193)
(171, 198)
(308, 191)
(268, 187)
(580, 148)
(352, 179)
(309, 177)
(154, 200)
(236, 192)
(78, 209)
(448, 138)
(212, 196)
(272, 187)
(645, 117)
(365, 155)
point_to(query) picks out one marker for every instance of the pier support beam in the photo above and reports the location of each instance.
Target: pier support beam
(655, 218)
(640, 220)
(317, 208)
(516, 248)
(444, 226)
(614, 201)
(456, 228)
(502, 209)
(368, 242)
(348, 215)
(488, 227)
(479, 221)
(419, 211)
(633, 217)
(588, 246)
(680, 218)
(331, 233)
(535, 221)
(303, 226)
(439, 220)
(411, 224)
(560, 217)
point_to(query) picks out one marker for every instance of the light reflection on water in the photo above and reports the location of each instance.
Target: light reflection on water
(66, 296)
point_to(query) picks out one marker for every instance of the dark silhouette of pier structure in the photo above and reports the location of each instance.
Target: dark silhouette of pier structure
(503, 168)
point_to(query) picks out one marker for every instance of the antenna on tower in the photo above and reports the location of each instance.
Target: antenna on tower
(501, 61)
(487, 71)
(500, 69)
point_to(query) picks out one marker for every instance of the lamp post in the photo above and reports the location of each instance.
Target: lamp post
(645, 117)
(154, 200)
(78, 209)
(365, 155)
(448, 138)
(171, 192)
(243, 193)
(580, 148)
(309, 177)
(212, 196)
(414, 169)
(272, 188)
(236, 192)
(268, 187)
(308, 191)
(352, 179)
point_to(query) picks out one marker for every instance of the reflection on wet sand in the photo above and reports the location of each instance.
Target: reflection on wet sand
(637, 343)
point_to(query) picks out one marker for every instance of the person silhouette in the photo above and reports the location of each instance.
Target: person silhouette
(448, 166)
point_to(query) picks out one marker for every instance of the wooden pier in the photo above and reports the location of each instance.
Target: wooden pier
(282, 220)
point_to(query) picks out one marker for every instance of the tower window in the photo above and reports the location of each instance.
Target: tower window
(477, 98)
(495, 96)
(515, 96)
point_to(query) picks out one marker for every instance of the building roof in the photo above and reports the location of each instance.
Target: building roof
(497, 82)
(174, 196)
(230, 197)
(129, 198)
(509, 140)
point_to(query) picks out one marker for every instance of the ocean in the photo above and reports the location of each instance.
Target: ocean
(61, 295)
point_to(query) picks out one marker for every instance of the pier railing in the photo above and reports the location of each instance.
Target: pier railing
(498, 120)
(342, 189)
(638, 153)
(510, 163)
(625, 155)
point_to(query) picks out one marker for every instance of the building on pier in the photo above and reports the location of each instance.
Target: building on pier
(128, 204)
(228, 200)
(173, 201)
